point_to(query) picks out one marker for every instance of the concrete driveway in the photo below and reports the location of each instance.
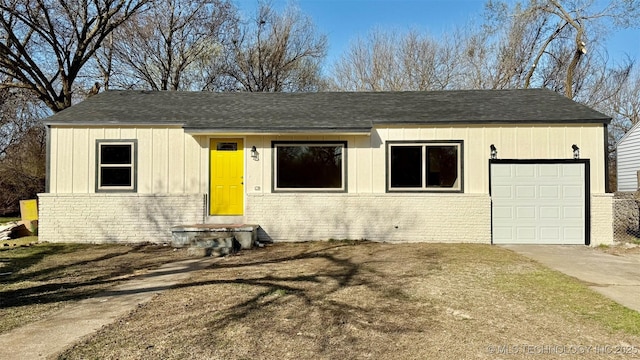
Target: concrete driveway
(616, 277)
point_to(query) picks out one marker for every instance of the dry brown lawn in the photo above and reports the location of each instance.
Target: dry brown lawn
(362, 300)
(38, 279)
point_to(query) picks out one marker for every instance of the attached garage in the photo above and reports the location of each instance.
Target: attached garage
(540, 201)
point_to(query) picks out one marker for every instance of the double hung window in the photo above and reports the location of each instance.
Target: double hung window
(116, 165)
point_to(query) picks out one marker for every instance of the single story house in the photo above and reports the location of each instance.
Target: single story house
(628, 160)
(478, 166)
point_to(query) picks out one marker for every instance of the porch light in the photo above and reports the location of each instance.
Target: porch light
(576, 151)
(254, 153)
(494, 151)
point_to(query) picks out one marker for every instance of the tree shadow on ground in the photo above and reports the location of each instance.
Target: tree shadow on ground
(27, 281)
(339, 293)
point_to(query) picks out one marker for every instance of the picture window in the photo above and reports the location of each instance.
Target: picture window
(309, 166)
(428, 166)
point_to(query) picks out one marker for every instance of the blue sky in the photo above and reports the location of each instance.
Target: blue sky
(344, 20)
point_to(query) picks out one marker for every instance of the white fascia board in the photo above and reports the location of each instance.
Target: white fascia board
(212, 131)
(113, 124)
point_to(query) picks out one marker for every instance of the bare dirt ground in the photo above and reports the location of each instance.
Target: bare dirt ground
(361, 300)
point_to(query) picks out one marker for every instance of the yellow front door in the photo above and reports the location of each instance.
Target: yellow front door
(227, 177)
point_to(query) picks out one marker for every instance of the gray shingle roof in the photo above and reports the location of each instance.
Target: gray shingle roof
(324, 111)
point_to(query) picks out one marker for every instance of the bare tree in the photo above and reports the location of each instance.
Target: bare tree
(564, 30)
(103, 62)
(19, 112)
(274, 52)
(477, 61)
(624, 107)
(168, 47)
(22, 169)
(619, 97)
(10, 126)
(388, 61)
(370, 64)
(44, 44)
(22, 148)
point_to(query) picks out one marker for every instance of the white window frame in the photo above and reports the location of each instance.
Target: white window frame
(132, 165)
(458, 185)
(343, 173)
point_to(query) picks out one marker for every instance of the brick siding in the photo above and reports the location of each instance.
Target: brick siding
(388, 217)
(116, 218)
(601, 219)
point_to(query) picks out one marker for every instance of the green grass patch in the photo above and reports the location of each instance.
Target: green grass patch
(279, 292)
(569, 296)
(20, 242)
(4, 220)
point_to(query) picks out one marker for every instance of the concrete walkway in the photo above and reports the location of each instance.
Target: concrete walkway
(616, 277)
(47, 338)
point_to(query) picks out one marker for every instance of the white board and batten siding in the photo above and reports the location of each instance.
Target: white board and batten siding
(171, 161)
(628, 160)
(168, 161)
(540, 202)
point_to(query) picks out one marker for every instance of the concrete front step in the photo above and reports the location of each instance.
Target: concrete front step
(214, 240)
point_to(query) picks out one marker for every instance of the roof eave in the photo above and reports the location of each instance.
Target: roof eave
(496, 122)
(112, 123)
(275, 131)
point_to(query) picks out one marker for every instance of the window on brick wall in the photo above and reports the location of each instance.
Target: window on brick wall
(116, 165)
(424, 166)
(309, 166)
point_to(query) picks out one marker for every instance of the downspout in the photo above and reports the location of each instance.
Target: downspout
(47, 173)
(607, 184)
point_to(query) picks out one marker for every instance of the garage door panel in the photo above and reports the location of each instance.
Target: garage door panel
(502, 192)
(503, 234)
(526, 212)
(573, 233)
(525, 192)
(547, 202)
(572, 212)
(549, 171)
(549, 192)
(526, 233)
(573, 192)
(549, 212)
(526, 171)
(570, 170)
(505, 213)
(550, 234)
(502, 172)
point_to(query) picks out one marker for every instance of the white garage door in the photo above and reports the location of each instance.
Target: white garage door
(539, 203)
